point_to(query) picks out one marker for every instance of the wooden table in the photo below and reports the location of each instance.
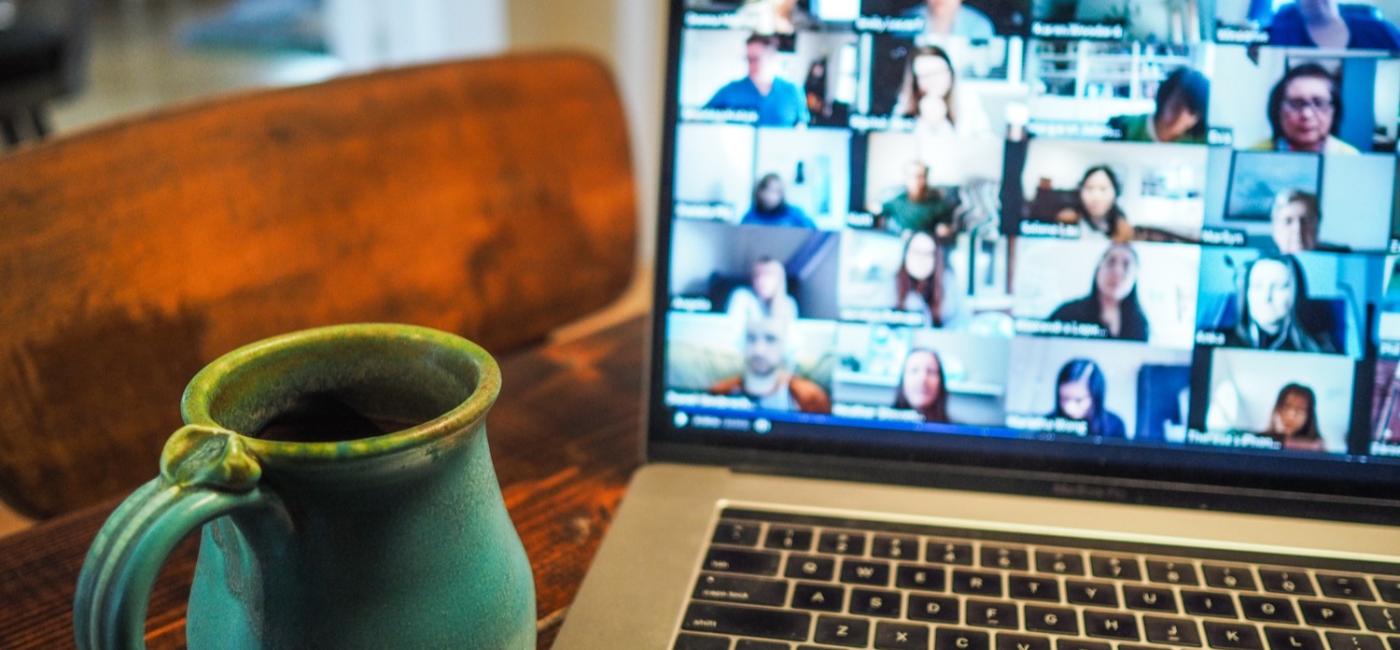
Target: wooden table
(564, 437)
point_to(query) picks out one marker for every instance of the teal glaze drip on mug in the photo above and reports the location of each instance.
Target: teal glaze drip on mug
(399, 540)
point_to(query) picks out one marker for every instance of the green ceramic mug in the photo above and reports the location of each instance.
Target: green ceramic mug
(347, 498)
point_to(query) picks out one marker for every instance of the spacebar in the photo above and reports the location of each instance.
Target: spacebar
(747, 621)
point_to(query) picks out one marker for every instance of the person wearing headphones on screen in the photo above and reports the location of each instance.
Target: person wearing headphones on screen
(1305, 113)
(1275, 297)
(767, 380)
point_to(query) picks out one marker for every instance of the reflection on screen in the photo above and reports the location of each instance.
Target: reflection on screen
(1134, 223)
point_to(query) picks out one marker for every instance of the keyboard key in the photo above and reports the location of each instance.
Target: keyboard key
(687, 641)
(992, 613)
(738, 533)
(1228, 577)
(1152, 599)
(951, 638)
(842, 543)
(750, 644)
(1134, 646)
(918, 576)
(1069, 563)
(810, 567)
(1081, 592)
(976, 583)
(734, 589)
(1034, 588)
(1005, 557)
(851, 632)
(868, 602)
(1328, 614)
(734, 560)
(747, 621)
(1080, 644)
(1022, 642)
(1232, 636)
(1176, 631)
(1208, 603)
(789, 538)
(1172, 573)
(865, 573)
(1110, 625)
(1051, 619)
(900, 636)
(1354, 641)
(1381, 619)
(1353, 587)
(1389, 589)
(1112, 566)
(1268, 609)
(895, 548)
(823, 598)
(1292, 638)
(1286, 582)
(946, 552)
(936, 609)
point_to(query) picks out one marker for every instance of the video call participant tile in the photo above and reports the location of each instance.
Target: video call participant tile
(1278, 400)
(747, 270)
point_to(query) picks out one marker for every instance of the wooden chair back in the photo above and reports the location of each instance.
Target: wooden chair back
(493, 198)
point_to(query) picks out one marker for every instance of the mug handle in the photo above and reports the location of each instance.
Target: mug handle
(205, 473)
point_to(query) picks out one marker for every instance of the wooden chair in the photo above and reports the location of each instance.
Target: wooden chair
(492, 198)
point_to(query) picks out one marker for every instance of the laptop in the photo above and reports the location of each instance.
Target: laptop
(1019, 325)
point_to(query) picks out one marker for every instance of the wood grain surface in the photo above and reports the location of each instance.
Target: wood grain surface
(565, 438)
(492, 198)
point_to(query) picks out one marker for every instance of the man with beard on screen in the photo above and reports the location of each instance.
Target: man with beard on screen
(768, 379)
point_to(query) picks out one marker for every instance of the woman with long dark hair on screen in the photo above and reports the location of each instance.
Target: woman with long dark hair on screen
(1080, 389)
(1293, 421)
(1273, 305)
(1112, 302)
(922, 386)
(1096, 206)
(919, 281)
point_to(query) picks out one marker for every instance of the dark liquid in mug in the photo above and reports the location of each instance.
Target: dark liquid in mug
(324, 417)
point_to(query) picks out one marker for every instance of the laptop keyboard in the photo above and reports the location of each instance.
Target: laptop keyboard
(771, 581)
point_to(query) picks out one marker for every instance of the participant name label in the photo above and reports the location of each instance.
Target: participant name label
(863, 122)
(866, 412)
(1222, 237)
(1242, 36)
(1054, 229)
(889, 24)
(1048, 424)
(706, 400)
(708, 211)
(729, 115)
(1218, 439)
(1081, 130)
(1060, 328)
(691, 304)
(886, 316)
(1077, 30)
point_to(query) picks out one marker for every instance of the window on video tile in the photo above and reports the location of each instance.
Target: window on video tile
(765, 362)
(1278, 400)
(1308, 302)
(920, 375)
(1150, 21)
(1325, 24)
(1099, 389)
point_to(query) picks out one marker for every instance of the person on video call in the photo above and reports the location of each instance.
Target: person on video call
(777, 101)
(920, 207)
(1305, 112)
(775, 16)
(1274, 301)
(1079, 397)
(1293, 422)
(1096, 207)
(1294, 221)
(766, 379)
(770, 206)
(1112, 302)
(1183, 101)
(922, 386)
(767, 294)
(952, 18)
(1321, 23)
(928, 95)
(921, 286)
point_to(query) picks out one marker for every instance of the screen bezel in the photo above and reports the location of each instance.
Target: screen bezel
(1316, 488)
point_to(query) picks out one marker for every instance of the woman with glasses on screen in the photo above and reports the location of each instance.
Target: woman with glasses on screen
(1112, 303)
(1273, 308)
(1080, 389)
(1293, 422)
(922, 386)
(1305, 112)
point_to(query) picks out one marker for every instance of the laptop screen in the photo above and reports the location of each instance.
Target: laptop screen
(1123, 234)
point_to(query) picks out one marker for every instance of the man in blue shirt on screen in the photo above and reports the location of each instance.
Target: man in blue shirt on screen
(777, 101)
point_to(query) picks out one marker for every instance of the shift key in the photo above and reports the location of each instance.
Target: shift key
(737, 561)
(747, 621)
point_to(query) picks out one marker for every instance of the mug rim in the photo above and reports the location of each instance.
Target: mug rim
(195, 404)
